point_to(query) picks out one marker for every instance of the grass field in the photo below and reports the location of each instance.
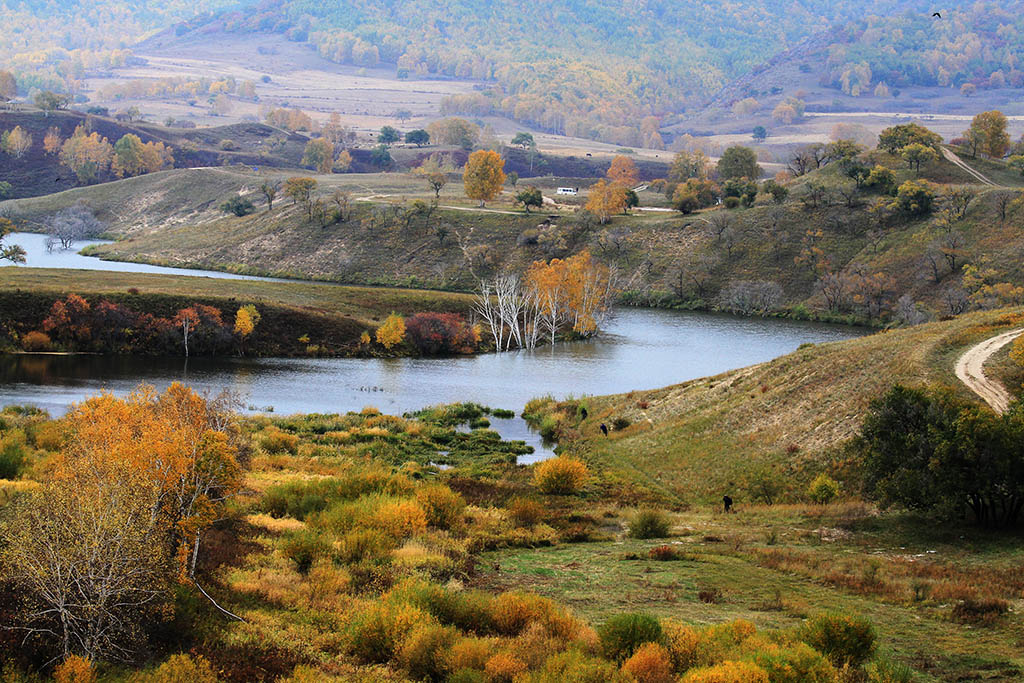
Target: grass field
(694, 442)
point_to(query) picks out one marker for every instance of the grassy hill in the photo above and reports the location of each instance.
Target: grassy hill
(693, 442)
(39, 173)
(663, 258)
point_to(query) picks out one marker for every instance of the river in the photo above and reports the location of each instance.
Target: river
(638, 349)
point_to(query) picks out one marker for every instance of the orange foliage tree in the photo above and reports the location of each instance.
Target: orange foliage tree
(623, 171)
(120, 516)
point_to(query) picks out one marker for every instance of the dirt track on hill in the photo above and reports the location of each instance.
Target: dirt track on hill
(970, 368)
(950, 156)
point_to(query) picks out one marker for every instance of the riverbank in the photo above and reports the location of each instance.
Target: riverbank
(296, 319)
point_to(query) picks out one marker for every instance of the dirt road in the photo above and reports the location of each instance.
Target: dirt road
(970, 368)
(950, 156)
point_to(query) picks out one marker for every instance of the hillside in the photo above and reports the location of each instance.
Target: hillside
(826, 228)
(38, 172)
(692, 443)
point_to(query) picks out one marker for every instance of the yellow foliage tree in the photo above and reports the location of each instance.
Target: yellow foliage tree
(1017, 350)
(52, 141)
(344, 161)
(246, 320)
(88, 156)
(392, 332)
(16, 142)
(319, 154)
(484, 175)
(623, 170)
(606, 199)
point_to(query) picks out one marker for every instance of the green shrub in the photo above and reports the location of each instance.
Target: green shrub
(304, 548)
(576, 667)
(620, 423)
(884, 670)
(844, 639)
(13, 456)
(650, 524)
(823, 490)
(622, 634)
(468, 676)
(797, 663)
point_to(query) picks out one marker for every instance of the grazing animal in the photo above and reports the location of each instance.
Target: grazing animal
(583, 413)
(604, 429)
(727, 501)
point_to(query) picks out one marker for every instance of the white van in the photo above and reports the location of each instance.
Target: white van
(571, 191)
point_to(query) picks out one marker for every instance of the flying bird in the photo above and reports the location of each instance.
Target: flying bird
(936, 14)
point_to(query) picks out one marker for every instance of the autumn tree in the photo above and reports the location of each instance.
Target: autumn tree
(300, 190)
(127, 159)
(344, 161)
(8, 86)
(605, 199)
(531, 196)
(87, 155)
(16, 142)
(319, 154)
(623, 171)
(686, 165)
(431, 172)
(48, 101)
(916, 154)
(391, 332)
(739, 162)
(895, 138)
(246, 320)
(52, 141)
(454, 131)
(120, 517)
(988, 129)
(694, 194)
(484, 176)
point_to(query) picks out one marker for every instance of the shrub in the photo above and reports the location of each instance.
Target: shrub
(979, 611)
(650, 664)
(710, 595)
(915, 197)
(303, 548)
(377, 630)
(888, 671)
(844, 639)
(180, 668)
(728, 672)
(574, 666)
(401, 519)
(12, 456)
(276, 440)
(681, 643)
(468, 676)
(620, 423)
(36, 341)
(74, 669)
(560, 476)
(442, 505)
(622, 634)
(238, 206)
(797, 663)
(525, 512)
(823, 490)
(470, 653)
(664, 553)
(504, 668)
(433, 333)
(650, 524)
(512, 612)
(425, 650)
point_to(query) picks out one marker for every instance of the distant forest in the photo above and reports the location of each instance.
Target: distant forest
(602, 69)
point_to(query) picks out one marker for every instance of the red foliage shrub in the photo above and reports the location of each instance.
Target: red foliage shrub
(434, 333)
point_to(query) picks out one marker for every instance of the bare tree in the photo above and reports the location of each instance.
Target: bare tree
(955, 300)
(70, 225)
(835, 287)
(1002, 200)
(749, 297)
(717, 222)
(909, 313)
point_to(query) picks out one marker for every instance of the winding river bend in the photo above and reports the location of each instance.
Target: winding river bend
(639, 349)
